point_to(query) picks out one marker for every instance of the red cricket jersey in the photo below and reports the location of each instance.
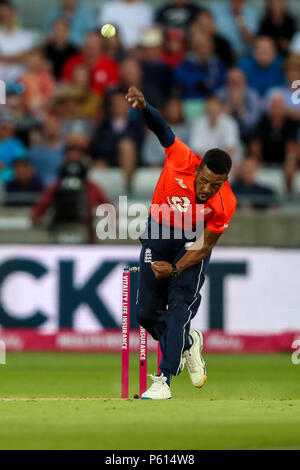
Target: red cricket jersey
(175, 190)
(104, 74)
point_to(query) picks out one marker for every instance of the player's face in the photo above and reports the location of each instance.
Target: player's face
(207, 183)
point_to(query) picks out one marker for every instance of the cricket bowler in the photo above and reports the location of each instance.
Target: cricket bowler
(191, 192)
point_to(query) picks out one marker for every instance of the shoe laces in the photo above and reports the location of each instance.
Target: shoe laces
(158, 381)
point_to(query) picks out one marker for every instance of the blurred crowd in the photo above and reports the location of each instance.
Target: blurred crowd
(222, 77)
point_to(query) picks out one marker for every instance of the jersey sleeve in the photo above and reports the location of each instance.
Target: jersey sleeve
(220, 221)
(158, 125)
(180, 155)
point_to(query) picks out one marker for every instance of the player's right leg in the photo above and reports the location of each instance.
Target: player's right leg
(151, 307)
(152, 295)
(159, 389)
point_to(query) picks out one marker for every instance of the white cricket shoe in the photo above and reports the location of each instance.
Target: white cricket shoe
(194, 360)
(159, 390)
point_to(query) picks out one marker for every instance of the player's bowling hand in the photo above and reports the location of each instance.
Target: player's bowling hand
(161, 269)
(136, 98)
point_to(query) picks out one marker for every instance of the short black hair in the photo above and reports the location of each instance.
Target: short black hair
(217, 161)
(25, 160)
(7, 3)
(204, 11)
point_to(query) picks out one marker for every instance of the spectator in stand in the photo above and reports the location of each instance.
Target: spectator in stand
(174, 47)
(250, 194)
(295, 44)
(237, 21)
(278, 24)
(152, 152)
(47, 155)
(38, 82)
(201, 74)
(292, 74)
(58, 48)
(104, 70)
(80, 17)
(275, 141)
(241, 102)
(14, 43)
(11, 148)
(264, 68)
(25, 186)
(215, 130)
(117, 139)
(204, 22)
(68, 104)
(178, 14)
(27, 126)
(132, 75)
(131, 17)
(113, 47)
(89, 100)
(155, 72)
(77, 207)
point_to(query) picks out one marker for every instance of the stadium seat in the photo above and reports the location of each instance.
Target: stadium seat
(111, 180)
(297, 184)
(272, 178)
(144, 182)
(2, 194)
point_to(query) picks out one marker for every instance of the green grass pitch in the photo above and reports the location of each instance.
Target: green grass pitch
(70, 401)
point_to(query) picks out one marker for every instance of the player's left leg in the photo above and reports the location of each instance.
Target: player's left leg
(176, 343)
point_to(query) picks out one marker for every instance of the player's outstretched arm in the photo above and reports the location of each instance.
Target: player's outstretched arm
(153, 118)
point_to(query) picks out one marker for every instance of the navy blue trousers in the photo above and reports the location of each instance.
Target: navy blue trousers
(166, 307)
